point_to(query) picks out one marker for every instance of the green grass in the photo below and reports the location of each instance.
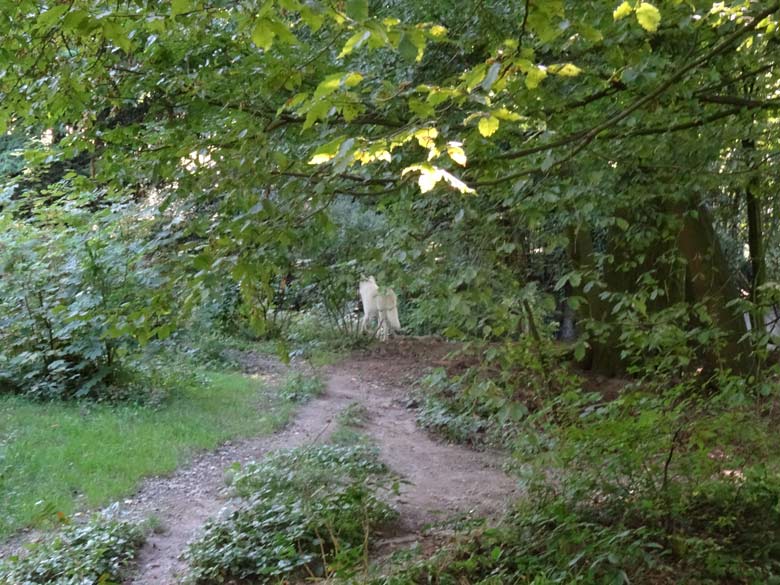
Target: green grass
(61, 457)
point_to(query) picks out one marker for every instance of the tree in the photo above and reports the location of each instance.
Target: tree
(516, 129)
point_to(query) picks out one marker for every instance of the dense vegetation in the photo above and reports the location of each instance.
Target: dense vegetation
(234, 166)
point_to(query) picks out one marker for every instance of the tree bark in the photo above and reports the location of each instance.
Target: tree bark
(709, 282)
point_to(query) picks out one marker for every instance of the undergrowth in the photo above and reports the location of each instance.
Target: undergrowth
(96, 553)
(673, 479)
(307, 512)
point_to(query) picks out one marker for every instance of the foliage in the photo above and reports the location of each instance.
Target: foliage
(308, 511)
(73, 301)
(99, 551)
(501, 384)
(300, 387)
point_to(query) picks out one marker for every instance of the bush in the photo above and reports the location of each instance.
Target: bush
(74, 300)
(309, 511)
(95, 553)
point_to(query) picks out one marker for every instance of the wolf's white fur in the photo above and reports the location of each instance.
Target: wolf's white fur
(380, 304)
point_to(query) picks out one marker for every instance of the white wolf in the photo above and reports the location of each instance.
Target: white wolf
(381, 304)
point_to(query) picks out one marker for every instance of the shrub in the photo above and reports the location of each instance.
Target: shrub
(74, 299)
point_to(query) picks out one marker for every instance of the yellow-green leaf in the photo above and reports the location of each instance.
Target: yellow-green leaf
(565, 70)
(622, 11)
(488, 125)
(327, 151)
(437, 31)
(534, 77)
(426, 137)
(180, 7)
(648, 16)
(504, 114)
(352, 79)
(456, 153)
(354, 42)
(262, 35)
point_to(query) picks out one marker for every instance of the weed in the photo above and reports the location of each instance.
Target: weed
(299, 387)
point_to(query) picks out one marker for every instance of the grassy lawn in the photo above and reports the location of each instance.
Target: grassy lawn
(61, 457)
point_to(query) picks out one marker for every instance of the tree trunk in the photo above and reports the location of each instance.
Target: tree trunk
(755, 242)
(709, 282)
(603, 356)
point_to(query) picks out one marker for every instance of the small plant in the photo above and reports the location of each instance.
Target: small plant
(305, 512)
(350, 423)
(95, 553)
(298, 387)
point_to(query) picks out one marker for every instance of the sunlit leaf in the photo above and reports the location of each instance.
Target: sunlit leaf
(622, 11)
(565, 70)
(354, 42)
(262, 35)
(648, 16)
(456, 152)
(488, 125)
(534, 77)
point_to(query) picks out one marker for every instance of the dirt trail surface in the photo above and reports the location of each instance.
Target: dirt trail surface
(445, 480)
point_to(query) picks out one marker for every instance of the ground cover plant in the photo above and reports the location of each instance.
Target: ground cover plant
(305, 513)
(98, 552)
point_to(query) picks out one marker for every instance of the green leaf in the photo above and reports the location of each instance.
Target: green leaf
(412, 45)
(180, 7)
(590, 33)
(318, 111)
(474, 77)
(421, 108)
(282, 32)
(262, 35)
(357, 9)
(491, 76)
(114, 33)
(52, 15)
(488, 125)
(648, 16)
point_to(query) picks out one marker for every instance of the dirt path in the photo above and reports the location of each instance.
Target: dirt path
(184, 501)
(444, 479)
